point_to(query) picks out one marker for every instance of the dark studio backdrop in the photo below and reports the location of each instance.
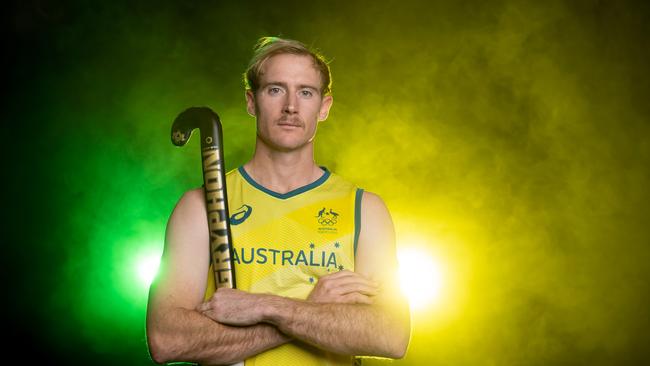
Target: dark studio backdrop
(510, 140)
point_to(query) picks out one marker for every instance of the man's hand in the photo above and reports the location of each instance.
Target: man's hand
(344, 287)
(233, 307)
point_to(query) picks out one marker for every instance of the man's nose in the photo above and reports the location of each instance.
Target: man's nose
(290, 104)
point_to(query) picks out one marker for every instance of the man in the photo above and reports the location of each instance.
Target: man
(314, 256)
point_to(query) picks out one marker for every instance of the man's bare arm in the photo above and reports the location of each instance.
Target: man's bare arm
(351, 329)
(186, 335)
(175, 330)
(381, 328)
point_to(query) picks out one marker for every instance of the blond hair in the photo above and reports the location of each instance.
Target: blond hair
(268, 47)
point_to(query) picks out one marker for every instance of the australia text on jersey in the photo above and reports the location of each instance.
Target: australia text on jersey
(314, 258)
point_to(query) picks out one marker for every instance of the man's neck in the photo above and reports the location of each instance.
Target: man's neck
(283, 172)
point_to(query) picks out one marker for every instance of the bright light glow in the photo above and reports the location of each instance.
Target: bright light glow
(420, 277)
(147, 267)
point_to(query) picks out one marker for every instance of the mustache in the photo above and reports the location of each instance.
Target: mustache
(292, 120)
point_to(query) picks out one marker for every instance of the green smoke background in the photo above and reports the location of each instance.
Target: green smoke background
(509, 138)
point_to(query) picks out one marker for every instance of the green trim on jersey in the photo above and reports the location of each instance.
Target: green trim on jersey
(357, 217)
(283, 196)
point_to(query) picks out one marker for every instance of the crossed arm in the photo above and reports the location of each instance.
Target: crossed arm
(353, 313)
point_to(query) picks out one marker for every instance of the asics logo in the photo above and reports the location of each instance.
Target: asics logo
(241, 215)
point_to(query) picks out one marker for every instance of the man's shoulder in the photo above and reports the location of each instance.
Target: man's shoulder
(191, 198)
(372, 200)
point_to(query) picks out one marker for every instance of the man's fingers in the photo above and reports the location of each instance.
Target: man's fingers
(344, 287)
(345, 275)
(347, 280)
(342, 274)
(357, 298)
(357, 287)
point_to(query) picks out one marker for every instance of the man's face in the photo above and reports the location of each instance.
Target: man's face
(288, 104)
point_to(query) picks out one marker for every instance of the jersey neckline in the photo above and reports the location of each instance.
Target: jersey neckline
(295, 192)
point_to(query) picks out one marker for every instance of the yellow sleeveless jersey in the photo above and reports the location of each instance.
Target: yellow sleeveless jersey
(283, 243)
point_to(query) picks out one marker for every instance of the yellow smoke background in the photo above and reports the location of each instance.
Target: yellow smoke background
(516, 151)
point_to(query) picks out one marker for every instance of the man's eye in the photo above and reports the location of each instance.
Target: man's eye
(306, 93)
(274, 90)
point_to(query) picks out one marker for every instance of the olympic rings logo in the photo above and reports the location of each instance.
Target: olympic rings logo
(326, 221)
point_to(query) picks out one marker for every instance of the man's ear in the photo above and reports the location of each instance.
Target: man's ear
(250, 103)
(325, 106)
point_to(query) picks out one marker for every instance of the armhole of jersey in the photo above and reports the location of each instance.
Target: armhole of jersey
(357, 217)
